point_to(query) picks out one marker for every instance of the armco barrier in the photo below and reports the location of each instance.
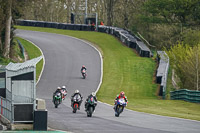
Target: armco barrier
(186, 95)
(162, 71)
(142, 49)
(21, 48)
(40, 24)
(125, 37)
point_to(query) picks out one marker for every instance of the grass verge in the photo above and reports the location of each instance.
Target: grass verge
(15, 54)
(32, 52)
(124, 70)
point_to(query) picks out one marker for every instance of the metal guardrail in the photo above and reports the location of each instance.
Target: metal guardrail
(186, 95)
(21, 48)
(162, 72)
(128, 39)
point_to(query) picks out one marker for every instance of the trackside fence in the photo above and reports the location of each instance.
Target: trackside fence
(162, 71)
(21, 48)
(186, 95)
(6, 108)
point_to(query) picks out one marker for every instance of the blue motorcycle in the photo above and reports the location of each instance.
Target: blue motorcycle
(120, 106)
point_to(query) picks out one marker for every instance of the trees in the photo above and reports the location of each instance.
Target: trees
(9, 9)
(176, 15)
(185, 61)
(2, 18)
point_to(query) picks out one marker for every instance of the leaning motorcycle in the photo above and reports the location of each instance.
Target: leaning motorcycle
(91, 106)
(120, 106)
(57, 99)
(83, 73)
(76, 100)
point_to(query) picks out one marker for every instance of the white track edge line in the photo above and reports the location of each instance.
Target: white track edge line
(42, 57)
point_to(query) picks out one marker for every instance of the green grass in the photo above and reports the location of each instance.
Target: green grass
(15, 55)
(15, 50)
(124, 70)
(4, 61)
(32, 52)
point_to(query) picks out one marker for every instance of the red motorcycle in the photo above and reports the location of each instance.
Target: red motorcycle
(76, 100)
(64, 93)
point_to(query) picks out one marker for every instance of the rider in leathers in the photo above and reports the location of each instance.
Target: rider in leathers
(86, 102)
(58, 90)
(121, 95)
(83, 67)
(72, 98)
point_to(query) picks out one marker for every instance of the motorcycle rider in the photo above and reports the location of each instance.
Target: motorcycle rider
(58, 90)
(121, 95)
(83, 67)
(72, 98)
(64, 92)
(90, 96)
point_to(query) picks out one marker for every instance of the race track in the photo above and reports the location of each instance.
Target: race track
(64, 57)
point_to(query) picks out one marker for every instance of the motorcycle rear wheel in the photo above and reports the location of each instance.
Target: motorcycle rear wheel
(75, 108)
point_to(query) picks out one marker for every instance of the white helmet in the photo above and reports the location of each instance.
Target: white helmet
(59, 87)
(93, 94)
(76, 91)
(63, 87)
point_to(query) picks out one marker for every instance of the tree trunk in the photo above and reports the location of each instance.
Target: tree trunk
(6, 51)
(109, 12)
(197, 67)
(1, 47)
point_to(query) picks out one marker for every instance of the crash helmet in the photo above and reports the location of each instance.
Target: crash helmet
(121, 94)
(59, 88)
(76, 91)
(63, 87)
(93, 94)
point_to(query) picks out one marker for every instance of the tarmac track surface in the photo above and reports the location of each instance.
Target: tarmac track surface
(64, 57)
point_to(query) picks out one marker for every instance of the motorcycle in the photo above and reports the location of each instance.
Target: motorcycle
(57, 99)
(76, 100)
(91, 106)
(84, 73)
(64, 94)
(120, 107)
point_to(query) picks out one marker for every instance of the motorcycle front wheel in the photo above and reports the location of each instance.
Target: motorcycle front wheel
(90, 111)
(56, 103)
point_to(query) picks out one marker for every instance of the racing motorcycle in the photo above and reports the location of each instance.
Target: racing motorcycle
(91, 106)
(83, 73)
(64, 93)
(76, 100)
(120, 106)
(57, 99)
